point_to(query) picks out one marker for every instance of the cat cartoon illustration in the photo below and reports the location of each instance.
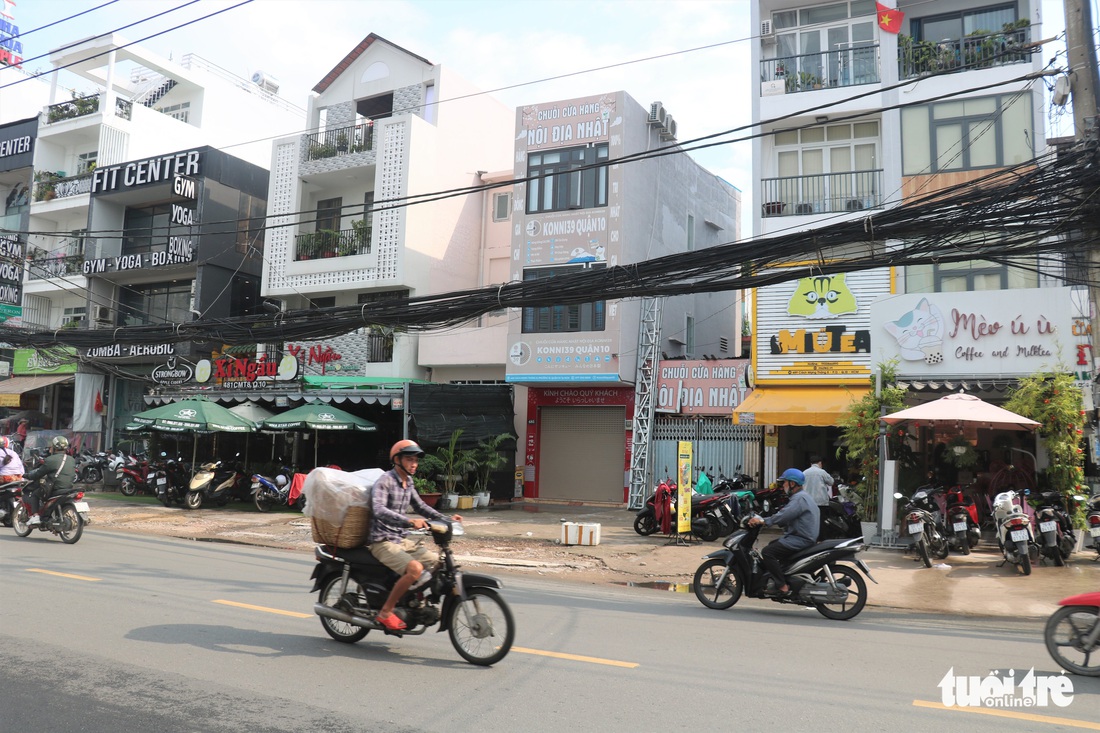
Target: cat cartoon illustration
(919, 333)
(823, 296)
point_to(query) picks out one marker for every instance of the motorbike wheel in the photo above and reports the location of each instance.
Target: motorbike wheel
(72, 525)
(300, 503)
(19, 521)
(707, 588)
(193, 500)
(263, 504)
(481, 627)
(1025, 558)
(128, 487)
(922, 550)
(330, 596)
(857, 594)
(710, 530)
(1065, 636)
(92, 475)
(964, 542)
(165, 500)
(645, 523)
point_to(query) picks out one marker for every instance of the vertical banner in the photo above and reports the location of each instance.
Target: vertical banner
(683, 487)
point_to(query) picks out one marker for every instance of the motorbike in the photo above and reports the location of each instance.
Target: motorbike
(10, 493)
(769, 501)
(353, 586)
(1072, 634)
(1092, 521)
(839, 520)
(215, 483)
(1014, 537)
(963, 529)
(924, 526)
(267, 492)
(1055, 527)
(89, 467)
(816, 576)
(702, 505)
(168, 480)
(135, 476)
(719, 517)
(64, 514)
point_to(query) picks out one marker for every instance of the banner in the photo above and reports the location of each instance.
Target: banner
(683, 487)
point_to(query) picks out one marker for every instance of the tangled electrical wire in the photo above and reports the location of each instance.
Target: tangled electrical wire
(1044, 209)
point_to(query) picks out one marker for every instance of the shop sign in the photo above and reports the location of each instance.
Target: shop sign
(574, 357)
(17, 143)
(233, 372)
(143, 172)
(816, 327)
(185, 188)
(16, 146)
(316, 355)
(702, 387)
(121, 351)
(11, 48)
(181, 250)
(989, 333)
(60, 360)
(172, 373)
(11, 272)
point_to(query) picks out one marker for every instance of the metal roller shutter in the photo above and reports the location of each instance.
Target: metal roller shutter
(582, 453)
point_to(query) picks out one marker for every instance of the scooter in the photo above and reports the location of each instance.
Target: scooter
(214, 483)
(10, 494)
(1013, 531)
(267, 492)
(816, 576)
(1072, 634)
(1055, 527)
(168, 480)
(963, 530)
(719, 517)
(1092, 521)
(63, 514)
(839, 520)
(923, 523)
(135, 476)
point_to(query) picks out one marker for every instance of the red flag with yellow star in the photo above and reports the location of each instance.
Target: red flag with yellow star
(889, 19)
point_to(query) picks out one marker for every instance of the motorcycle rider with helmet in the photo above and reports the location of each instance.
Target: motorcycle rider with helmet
(59, 472)
(388, 540)
(801, 519)
(11, 465)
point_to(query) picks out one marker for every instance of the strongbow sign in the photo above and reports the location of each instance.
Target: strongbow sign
(171, 373)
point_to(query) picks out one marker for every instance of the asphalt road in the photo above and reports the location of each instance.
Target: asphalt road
(136, 633)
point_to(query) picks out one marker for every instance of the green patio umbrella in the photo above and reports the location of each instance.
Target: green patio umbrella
(317, 416)
(200, 416)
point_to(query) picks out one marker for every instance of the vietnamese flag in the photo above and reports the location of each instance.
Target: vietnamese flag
(98, 406)
(889, 19)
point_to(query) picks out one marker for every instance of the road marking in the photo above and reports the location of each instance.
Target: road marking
(64, 575)
(279, 611)
(1031, 717)
(575, 657)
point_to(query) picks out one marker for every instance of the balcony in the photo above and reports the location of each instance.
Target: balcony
(978, 51)
(331, 243)
(82, 106)
(839, 68)
(47, 268)
(339, 141)
(50, 185)
(821, 194)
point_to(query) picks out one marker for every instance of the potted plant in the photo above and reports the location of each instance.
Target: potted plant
(428, 475)
(456, 464)
(427, 491)
(328, 242)
(960, 453)
(489, 458)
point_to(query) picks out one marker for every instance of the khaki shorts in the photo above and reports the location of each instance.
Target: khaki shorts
(397, 556)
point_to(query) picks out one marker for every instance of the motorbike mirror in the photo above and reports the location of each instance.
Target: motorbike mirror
(1078, 497)
(898, 496)
(163, 454)
(1027, 492)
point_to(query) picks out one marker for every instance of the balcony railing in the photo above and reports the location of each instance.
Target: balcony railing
(842, 67)
(86, 105)
(49, 185)
(330, 243)
(973, 52)
(340, 141)
(43, 268)
(821, 194)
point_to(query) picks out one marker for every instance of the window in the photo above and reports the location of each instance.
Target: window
(154, 303)
(967, 134)
(830, 45)
(375, 108)
(691, 233)
(181, 111)
(250, 224)
(561, 185)
(954, 26)
(956, 277)
(329, 214)
(328, 301)
(502, 206)
(563, 318)
(74, 314)
(689, 336)
(827, 168)
(85, 162)
(147, 229)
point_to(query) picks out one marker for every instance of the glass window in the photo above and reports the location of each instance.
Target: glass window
(250, 224)
(956, 25)
(154, 303)
(957, 277)
(329, 213)
(147, 229)
(559, 184)
(986, 132)
(563, 318)
(502, 206)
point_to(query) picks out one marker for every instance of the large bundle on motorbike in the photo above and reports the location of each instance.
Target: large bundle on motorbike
(338, 505)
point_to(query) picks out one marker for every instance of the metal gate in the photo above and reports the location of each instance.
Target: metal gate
(719, 446)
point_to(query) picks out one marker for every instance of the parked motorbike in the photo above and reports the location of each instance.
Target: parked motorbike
(839, 520)
(353, 586)
(1055, 527)
(769, 501)
(267, 492)
(135, 476)
(1013, 531)
(169, 480)
(64, 514)
(816, 576)
(10, 494)
(1092, 521)
(1072, 634)
(961, 524)
(718, 517)
(924, 526)
(702, 506)
(216, 483)
(90, 466)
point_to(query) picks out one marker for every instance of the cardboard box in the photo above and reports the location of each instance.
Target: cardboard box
(573, 533)
(465, 502)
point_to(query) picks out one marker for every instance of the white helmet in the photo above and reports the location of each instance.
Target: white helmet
(280, 480)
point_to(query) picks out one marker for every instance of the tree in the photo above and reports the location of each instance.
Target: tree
(490, 458)
(457, 462)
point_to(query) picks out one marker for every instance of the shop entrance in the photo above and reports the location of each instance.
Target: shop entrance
(581, 453)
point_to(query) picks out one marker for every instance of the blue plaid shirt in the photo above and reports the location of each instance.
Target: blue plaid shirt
(390, 500)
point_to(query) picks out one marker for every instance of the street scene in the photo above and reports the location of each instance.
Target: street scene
(427, 365)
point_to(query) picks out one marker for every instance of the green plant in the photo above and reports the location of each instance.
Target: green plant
(321, 150)
(961, 454)
(489, 458)
(423, 485)
(457, 462)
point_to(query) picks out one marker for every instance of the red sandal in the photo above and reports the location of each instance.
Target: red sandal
(392, 622)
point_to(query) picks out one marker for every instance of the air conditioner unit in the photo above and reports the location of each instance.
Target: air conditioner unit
(102, 313)
(657, 114)
(668, 130)
(767, 31)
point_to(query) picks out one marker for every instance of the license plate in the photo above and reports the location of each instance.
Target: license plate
(162, 481)
(1094, 531)
(1048, 526)
(118, 474)
(81, 506)
(916, 528)
(1019, 535)
(150, 476)
(959, 526)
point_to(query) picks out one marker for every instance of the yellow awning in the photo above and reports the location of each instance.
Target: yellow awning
(821, 406)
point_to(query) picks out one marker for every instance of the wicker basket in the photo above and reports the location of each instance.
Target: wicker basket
(352, 533)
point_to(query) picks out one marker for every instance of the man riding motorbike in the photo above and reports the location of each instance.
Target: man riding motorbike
(11, 465)
(388, 540)
(800, 517)
(55, 476)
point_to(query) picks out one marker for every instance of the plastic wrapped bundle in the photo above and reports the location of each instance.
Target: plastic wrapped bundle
(338, 504)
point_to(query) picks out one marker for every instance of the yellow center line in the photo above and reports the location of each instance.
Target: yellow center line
(575, 657)
(279, 611)
(63, 575)
(997, 712)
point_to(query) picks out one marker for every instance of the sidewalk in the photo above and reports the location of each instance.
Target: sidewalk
(960, 584)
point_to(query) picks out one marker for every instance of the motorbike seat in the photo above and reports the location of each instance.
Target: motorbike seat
(812, 549)
(354, 555)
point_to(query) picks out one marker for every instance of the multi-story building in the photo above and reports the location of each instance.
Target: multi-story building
(121, 147)
(579, 362)
(866, 109)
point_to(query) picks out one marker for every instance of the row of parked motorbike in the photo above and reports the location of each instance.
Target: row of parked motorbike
(1023, 540)
(719, 514)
